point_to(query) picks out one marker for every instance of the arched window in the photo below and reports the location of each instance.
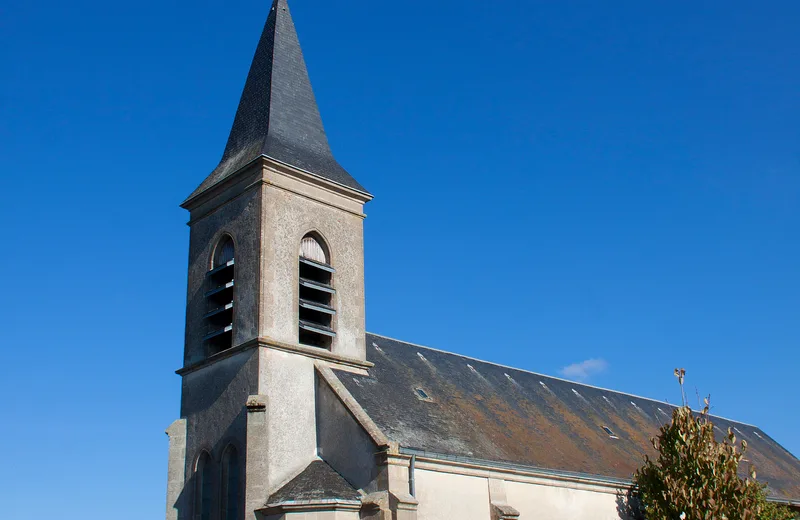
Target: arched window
(230, 484)
(203, 487)
(219, 298)
(316, 293)
(223, 252)
(311, 249)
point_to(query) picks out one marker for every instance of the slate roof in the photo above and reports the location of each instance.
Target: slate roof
(278, 114)
(317, 482)
(488, 412)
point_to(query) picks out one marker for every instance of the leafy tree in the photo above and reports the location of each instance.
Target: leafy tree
(695, 477)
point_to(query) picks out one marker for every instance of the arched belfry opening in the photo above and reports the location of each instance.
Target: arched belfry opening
(316, 303)
(220, 281)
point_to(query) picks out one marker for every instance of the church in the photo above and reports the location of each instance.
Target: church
(291, 410)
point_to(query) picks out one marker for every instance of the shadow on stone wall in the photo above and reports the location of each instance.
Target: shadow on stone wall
(628, 505)
(185, 502)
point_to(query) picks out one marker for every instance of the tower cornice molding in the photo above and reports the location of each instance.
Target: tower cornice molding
(269, 343)
(266, 170)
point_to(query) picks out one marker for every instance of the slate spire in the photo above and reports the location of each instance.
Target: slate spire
(278, 114)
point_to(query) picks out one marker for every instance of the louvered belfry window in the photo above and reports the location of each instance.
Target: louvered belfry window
(219, 298)
(316, 294)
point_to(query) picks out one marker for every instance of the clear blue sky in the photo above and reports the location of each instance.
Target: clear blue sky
(555, 182)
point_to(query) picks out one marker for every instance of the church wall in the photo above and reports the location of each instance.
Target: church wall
(342, 442)
(213, 405)
(288, 382)
(445, 496)
(287, 218)
(542, 502)
(240, 218)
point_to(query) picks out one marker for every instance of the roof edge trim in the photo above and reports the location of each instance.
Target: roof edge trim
(228, 179)
(193, 197)
(356, 410)
(510, 466)
(544, 472)
(324, 504)
(317, 175)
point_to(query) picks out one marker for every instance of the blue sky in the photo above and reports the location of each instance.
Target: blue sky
(607, 192)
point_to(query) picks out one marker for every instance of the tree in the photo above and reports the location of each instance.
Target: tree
(696, 477)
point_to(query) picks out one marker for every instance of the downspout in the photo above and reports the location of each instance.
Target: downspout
(412, 486)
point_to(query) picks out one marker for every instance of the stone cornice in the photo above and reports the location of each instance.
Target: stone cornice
(313, 352)
(205, 196)
(265, 163)
(316, 180)
(301, 506)
(225, 354)
(294, 348)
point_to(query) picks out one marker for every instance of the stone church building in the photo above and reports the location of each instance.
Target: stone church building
(291, 410)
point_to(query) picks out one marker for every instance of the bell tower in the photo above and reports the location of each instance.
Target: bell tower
(276, 188)
(275, 285)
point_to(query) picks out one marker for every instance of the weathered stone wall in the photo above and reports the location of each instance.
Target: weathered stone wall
(266, 212)
(213, 406)
(342, 442)
(176, 470)
(240, 218)
(288, 382)
(288, 217)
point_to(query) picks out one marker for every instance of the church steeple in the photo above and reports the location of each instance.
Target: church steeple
(275, 288)
(278, 115)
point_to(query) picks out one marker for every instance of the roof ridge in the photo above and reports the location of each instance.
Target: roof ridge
(552, 377)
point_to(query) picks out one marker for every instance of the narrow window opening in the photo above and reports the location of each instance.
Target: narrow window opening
(231, 487)
(219, 298)
(203, 488)
(316, 293)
